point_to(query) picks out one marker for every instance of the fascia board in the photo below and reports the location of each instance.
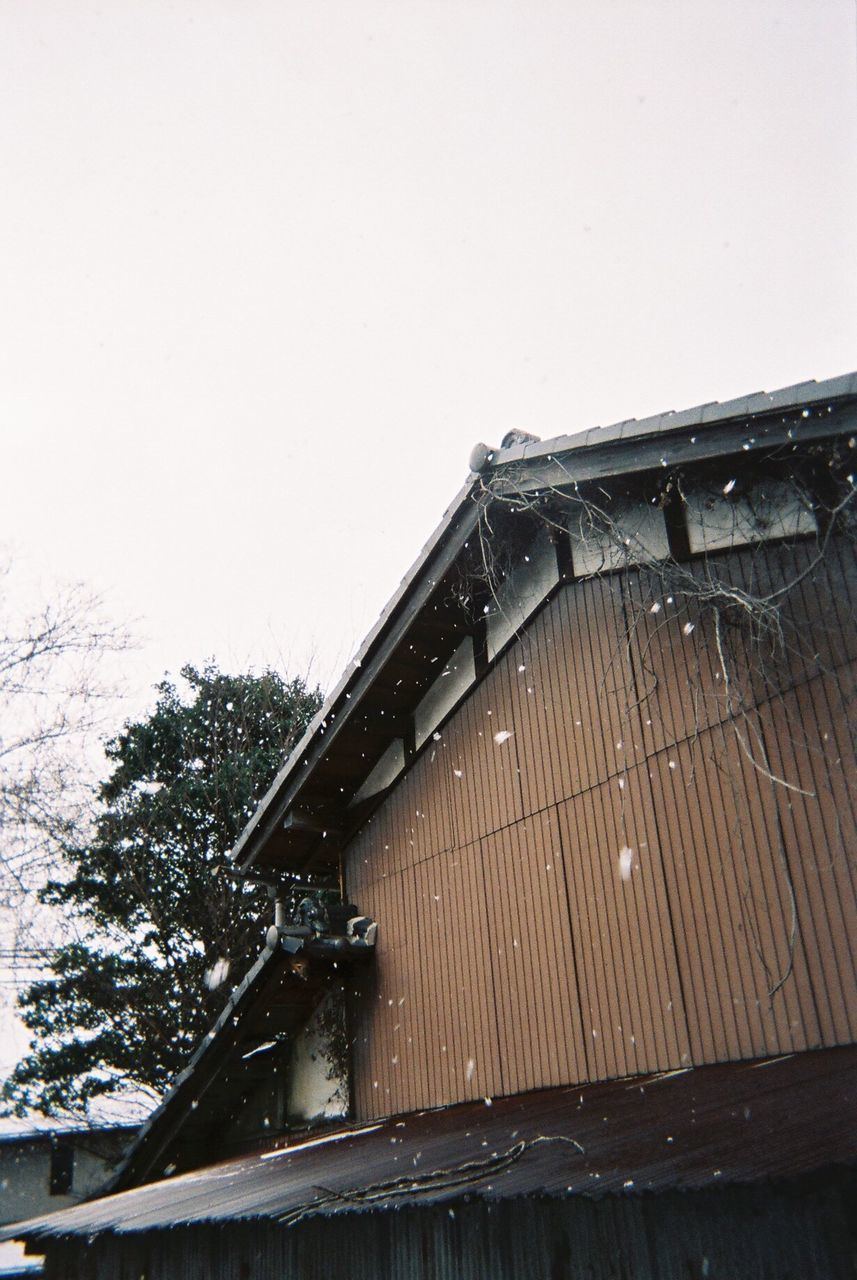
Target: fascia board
(458, 523)
(644, 452)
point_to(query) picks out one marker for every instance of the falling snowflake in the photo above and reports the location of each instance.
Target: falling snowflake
(148, 788)
(729, 486)
(217, 974)
(502, 736)
(626, 862)
(687, 628)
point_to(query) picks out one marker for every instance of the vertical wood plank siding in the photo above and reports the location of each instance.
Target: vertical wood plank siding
(746, 1233)
(513, 954)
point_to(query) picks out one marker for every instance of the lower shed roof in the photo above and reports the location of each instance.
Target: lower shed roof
(694, 1129)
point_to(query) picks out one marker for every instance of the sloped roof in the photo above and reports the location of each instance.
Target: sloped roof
(271, 1002)
(193, 1107)
(420, 621)
(708, 1126)
(29, 1131)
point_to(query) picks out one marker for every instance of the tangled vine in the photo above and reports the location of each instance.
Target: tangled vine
(748, 622)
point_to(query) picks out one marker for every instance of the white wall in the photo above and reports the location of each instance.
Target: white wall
(731, 516)
(451, 684)
(638, 536)
(316, 1090)
(25, 1171)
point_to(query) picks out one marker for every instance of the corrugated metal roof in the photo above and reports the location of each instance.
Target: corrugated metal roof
(597, 452)
(730, 1123)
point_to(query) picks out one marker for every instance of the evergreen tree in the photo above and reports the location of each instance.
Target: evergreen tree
(162, 934)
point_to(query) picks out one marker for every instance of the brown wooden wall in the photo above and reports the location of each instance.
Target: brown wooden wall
(512, 954)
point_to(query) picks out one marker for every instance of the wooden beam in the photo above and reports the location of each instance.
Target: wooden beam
(306, 823)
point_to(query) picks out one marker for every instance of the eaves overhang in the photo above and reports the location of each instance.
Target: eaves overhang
(301, 823)
(434, 561)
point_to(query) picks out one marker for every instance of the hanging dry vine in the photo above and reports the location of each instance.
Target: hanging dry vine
(714, 588)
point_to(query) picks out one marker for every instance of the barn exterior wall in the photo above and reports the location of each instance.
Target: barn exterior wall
(631, 848)
(801, 1229)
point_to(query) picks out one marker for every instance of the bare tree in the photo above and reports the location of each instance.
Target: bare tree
(54, 693)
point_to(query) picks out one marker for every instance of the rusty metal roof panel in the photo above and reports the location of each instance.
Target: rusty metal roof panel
(704, 1127)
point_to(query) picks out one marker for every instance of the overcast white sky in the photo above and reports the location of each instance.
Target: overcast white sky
(271, 267)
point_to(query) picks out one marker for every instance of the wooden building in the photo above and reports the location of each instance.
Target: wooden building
(50, 1167)
(55, 1165)
(593, 776)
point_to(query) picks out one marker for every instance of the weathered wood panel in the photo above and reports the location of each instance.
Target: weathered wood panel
(730, 899)
(532, 956)
(632, 1005)
(809, 740)
(433, 1028)
(483, 773)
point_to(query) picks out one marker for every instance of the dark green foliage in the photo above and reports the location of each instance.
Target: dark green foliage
(159, 922)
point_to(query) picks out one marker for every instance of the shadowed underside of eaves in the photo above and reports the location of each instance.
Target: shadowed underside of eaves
(272, 1003)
